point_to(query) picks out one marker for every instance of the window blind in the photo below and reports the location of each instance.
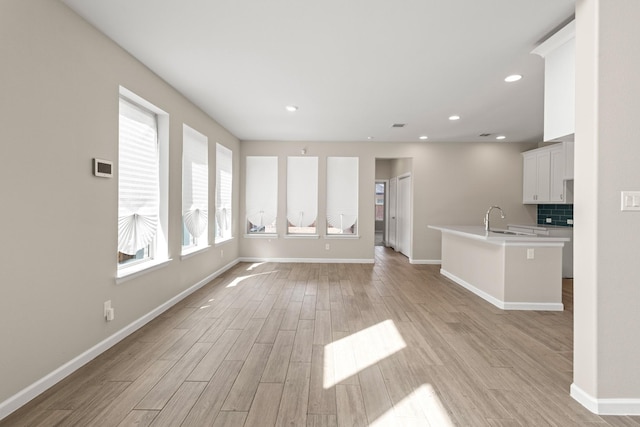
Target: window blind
(342, 192)
(195, 182)
(138, 178)
(302, 191)
(262, 189)
(224, 183)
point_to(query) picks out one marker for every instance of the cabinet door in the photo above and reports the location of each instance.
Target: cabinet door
(557, 176)
(544, 176)
(529, 178)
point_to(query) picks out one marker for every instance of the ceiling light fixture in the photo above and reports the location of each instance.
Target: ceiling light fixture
(500, 137)
(370, 138)
(512, 78)
(423, 137)
(291, 108)
(454, 117)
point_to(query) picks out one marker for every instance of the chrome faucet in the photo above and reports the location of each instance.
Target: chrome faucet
(486, 216)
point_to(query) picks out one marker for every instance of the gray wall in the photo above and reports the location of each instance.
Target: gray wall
(453, 183)
(59, 109)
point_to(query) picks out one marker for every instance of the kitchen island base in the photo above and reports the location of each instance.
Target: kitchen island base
(512, 273)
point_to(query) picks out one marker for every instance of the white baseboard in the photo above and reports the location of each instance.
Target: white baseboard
(309, 260)
(425, 261)
(30, 392)
(539, 306)
(605, 406)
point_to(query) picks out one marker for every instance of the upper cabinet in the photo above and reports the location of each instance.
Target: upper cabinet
(548, 175)
(558, 52)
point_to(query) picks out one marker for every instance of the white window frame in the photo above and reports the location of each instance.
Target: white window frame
(158, 249)
(195, 190)
(302, 196)
(224, 208)
(342, 196)
(261, 195)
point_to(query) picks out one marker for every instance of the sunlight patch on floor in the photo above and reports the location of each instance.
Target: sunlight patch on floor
(420, 408)
(238, 280)
(340, 362)
(255, 265)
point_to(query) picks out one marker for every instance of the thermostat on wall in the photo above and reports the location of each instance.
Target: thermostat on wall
(102, 168)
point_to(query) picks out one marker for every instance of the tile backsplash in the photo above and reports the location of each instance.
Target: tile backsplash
(559, 214)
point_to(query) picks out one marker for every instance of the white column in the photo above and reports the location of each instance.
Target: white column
(607, 240)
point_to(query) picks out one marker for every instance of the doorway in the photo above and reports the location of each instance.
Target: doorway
(380, 213)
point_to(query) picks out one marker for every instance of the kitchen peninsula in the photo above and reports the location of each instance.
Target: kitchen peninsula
(513, 271)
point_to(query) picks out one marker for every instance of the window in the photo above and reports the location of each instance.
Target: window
(195, 189)
(140, 188)
(302, 195)
(342, 195)
(261, 194)
(224, 185)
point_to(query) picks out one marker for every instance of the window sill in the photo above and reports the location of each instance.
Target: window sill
(342, 236)
(223, 241)
(189, 252)
(261, 236)
(302, 236)
(134, 271)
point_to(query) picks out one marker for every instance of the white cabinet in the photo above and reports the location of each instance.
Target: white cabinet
(558, 52)
(544, 179)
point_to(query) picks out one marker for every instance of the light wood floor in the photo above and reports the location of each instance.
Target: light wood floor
(329, 345)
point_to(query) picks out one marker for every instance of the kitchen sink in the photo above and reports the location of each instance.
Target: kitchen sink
(513, 233)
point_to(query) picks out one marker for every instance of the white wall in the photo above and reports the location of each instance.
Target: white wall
(453, 183)
(606, 338)
(59, 84)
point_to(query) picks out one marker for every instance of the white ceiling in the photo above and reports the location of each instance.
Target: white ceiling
(354, 67)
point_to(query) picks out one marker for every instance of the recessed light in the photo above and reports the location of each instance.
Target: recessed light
(370, 138)
(512, 78)
(454, 117)
(500, 137)
(423, 137)
(291, 108)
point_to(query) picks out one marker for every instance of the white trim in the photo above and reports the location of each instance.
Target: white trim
(301, 236)
(425, 261)
(342, 236)
(188, 252)
(309, 260)
(128, 273)
(261, 235)
(538, 306)
(605, 406)
(562, 36)
(32, 391)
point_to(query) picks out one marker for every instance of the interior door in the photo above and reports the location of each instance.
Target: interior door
(403, 214)
(392, 223)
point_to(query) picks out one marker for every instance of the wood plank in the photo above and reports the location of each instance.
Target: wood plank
(351, 411)
(178, 407)
(264, 409)
(295, 396)
(206, 408)
(303, 342)
(276, 369)
(244, 388)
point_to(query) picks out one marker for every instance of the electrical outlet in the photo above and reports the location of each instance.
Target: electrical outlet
(109, 312)
(221, 253)
(327, 246)
(531, 253)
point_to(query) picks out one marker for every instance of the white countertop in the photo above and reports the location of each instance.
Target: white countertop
(477, 232)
